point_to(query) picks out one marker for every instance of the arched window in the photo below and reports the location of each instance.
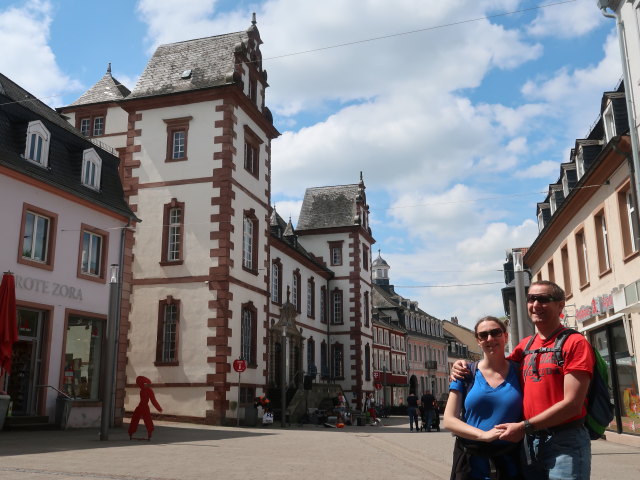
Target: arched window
(37, 145)
(248, 332)
(167, 338)
(91, 168)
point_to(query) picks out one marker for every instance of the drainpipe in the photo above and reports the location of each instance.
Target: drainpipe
(634, 163)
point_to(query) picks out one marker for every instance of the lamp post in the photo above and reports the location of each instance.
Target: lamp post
(521, 307)
(283, 374)
(107, 389)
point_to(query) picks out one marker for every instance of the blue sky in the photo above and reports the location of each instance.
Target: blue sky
(458, 127)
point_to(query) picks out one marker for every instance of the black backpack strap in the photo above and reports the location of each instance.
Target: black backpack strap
(559, 343)
(532, 352)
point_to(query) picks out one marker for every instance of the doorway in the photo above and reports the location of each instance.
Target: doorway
(26, 360)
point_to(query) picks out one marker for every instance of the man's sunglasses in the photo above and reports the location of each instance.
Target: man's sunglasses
(495, 333)
(541, 298)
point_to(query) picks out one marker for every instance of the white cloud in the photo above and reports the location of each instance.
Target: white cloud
(24, 34)
(567, 21)
(544, 169)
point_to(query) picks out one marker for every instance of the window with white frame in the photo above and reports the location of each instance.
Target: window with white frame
(167, 338)
(310, 298)
(276, 281)
(98, 126)
(602, 242)
(36, 237)
(579, 166)
(37, 145)
(336, 306)
(91, 254)
(91, 168)
(609, 123)
(246, 335)
(249, 242)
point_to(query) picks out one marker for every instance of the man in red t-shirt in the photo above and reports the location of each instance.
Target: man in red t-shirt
(557, 443)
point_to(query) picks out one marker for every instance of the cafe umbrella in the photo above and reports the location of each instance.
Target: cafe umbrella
(8, 324)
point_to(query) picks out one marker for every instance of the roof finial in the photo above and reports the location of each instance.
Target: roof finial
(109, 68)
(253, 19)
(360, 175)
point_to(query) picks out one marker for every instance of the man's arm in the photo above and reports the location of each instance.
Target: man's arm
(576, 385)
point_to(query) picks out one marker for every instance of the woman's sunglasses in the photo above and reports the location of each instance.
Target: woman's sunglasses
(495, 333)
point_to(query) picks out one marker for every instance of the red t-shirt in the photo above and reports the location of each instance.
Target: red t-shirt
(547, 388)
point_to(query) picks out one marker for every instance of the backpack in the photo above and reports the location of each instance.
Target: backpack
(600, 410)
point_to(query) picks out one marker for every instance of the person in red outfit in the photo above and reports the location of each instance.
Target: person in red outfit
(142, 410)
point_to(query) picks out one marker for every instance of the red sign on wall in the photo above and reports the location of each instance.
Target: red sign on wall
(378, 386)
(376, 375)
(239, 365)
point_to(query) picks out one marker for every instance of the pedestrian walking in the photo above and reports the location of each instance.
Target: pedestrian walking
(412, 410)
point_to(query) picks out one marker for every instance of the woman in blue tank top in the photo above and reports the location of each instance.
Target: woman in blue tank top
(475, 405)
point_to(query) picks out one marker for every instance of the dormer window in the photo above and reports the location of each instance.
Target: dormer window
(37, 147)
(91, 167)
(580, 163)
(565, 184)
(540, 221)
(552, 203)
(609, 123)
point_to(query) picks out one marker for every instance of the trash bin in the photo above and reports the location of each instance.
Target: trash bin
(63, 408)
(250, 416)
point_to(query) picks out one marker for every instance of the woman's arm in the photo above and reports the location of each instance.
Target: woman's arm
(452, 422)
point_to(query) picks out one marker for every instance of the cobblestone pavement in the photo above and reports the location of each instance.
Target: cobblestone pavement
(184, 452)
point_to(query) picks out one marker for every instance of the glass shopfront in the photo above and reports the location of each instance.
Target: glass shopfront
(82, 358)
(23, 380)
(611, 343)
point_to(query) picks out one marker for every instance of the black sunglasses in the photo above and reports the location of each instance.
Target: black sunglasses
(495, 333)
(541, 298)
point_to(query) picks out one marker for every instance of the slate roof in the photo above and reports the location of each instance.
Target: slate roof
(210, 60)
(286, 233)
(65, 152)
(327, 207)
(107, 89)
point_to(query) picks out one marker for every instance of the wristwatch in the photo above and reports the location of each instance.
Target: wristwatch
(528, 428)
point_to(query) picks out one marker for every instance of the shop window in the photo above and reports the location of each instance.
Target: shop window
(248, 333)
(93, 256)
(173, 233)
(177, 138)
(82, 357)
(37, 145)
(167, 336)
(37, 237)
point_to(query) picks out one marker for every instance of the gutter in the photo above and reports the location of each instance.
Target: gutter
(634, 161)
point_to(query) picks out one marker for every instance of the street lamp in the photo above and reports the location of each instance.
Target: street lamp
(107, 389)
(283, 374)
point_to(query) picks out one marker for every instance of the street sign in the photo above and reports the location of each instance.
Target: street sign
(239, 365)
(378, 386)
(376, 375)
